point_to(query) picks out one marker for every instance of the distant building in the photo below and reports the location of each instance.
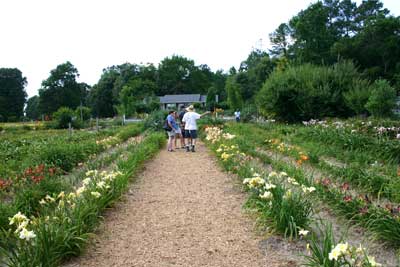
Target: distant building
(175, 101)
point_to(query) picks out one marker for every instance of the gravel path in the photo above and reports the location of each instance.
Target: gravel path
(183, 211)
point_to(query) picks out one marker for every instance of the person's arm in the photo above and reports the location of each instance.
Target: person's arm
(205, 113)
(169, 123)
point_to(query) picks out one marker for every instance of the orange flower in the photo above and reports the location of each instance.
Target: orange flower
(304, 157)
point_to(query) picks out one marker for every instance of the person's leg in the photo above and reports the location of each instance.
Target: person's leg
(170, 140)
(193, 134)
(182, 141)
(187, 140)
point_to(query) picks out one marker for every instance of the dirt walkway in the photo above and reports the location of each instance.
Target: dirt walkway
(183, 211)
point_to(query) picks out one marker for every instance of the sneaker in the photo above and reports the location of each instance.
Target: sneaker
(187, 149)
(193, 149)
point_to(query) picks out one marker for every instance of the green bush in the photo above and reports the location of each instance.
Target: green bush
(156, 120)
(84, 111)
(27, 199)
(382, 100)
(62, 117)
(357, 97)
(308, 91)
(7, 210)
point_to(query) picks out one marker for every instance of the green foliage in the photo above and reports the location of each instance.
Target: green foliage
(308, 91)
(12, 94)
(155, 120)
(180, 75)
(26, 199)
(234, 100)
(382, 100)
(321, 244)
(63, 116)
(61, 89)
(83, 113)
(357, 97)
(133, 94)
(32, 108)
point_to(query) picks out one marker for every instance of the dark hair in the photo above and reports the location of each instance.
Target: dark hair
(171, 111)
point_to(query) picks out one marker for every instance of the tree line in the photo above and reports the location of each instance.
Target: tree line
(326, 34)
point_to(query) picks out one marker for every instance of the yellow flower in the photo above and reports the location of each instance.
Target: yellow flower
(61, 195)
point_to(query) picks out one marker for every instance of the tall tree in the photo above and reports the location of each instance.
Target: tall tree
(174, 74)
(235, 99)
(280, 40)
(32, 108)
(133, 95)
(313, 34)
(12, 94)
(101, 98)
(61, 89)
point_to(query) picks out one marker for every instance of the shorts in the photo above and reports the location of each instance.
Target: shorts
(178, 131)
(171, 133)
(191, 134)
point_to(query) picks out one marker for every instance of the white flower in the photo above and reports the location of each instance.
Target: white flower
(272, 174)
(266, 195)
(311, 189)
(91, 173)
(80, 190)
(303, 232)
(18, 218)
(372, 261)
(95, 194)
(269, 186)
(86, 181)
(246, 180)
(42, 202)
(101, 184)
(27, 235)
(334, 254)
(292, 181)
(342, 247)
(22, 225)
(49, 198)
(283, 174)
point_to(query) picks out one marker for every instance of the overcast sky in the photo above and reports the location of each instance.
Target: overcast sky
(38, 35)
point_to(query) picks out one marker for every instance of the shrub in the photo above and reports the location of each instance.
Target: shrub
(307, 91)
(156, 120)
(63, 116)
(382, 100)
(357, 97)
(86, 113)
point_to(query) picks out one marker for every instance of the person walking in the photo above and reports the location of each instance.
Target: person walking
(171, 134)
(190, 119)
(178, 133)
(237, 115)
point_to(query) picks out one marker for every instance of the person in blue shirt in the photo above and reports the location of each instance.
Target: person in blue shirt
(174, 128)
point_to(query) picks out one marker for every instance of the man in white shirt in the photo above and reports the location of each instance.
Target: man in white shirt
(190, 119)
(237, 115)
